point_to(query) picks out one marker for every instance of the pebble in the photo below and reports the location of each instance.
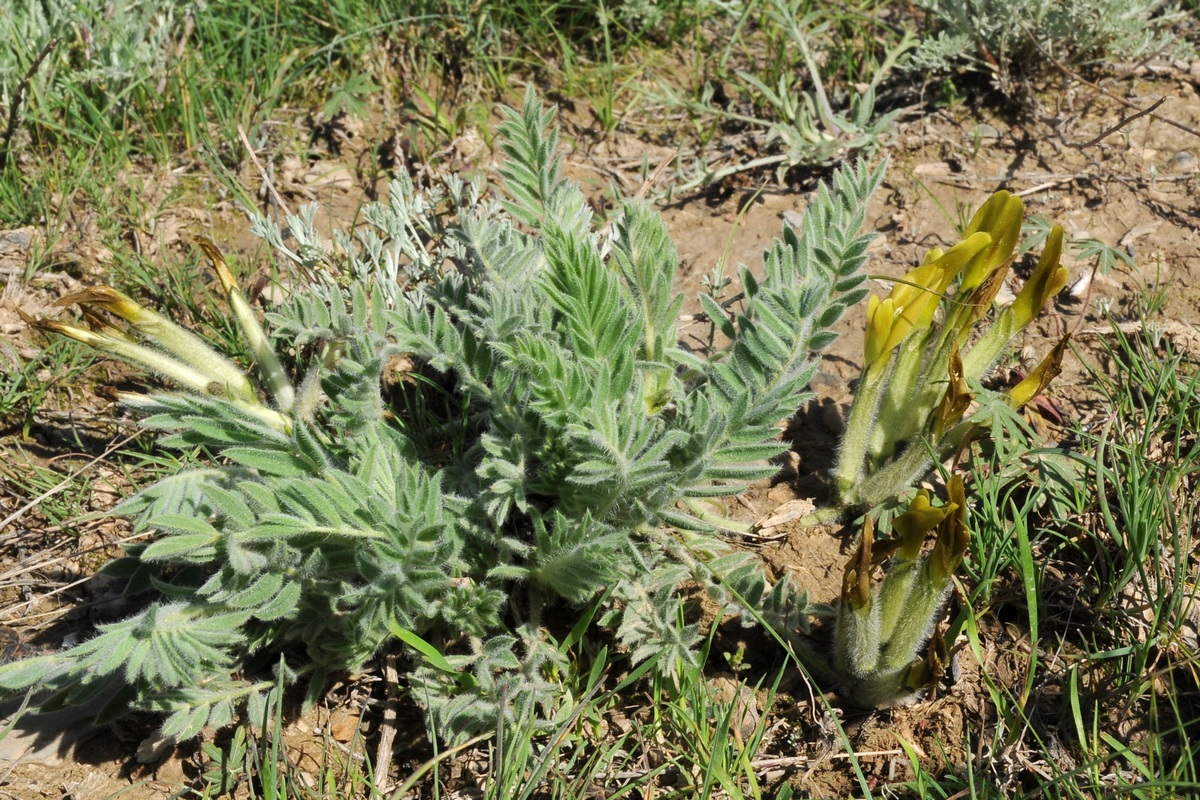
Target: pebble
(985, 131)
(781, 493)
(154, 748)
(1183, 161)
(344, 725)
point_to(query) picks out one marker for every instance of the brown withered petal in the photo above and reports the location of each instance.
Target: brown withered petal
(1036, 382)
(224, 274)
(856, 579)
(100, 324)
(980, 300)
(958, 396)
(54, 326)
(882, 551)
(106, 298)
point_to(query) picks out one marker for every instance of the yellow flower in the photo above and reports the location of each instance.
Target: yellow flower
(1047, 280)
(1000, 217)
(979, 300)
(920, 518)
(959, 257)
(908, 307)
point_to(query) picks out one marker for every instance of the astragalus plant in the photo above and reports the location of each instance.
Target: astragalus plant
(497, 420)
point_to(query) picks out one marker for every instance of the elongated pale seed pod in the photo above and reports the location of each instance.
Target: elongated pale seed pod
(273, 374)
(191, 351)
(148, 358)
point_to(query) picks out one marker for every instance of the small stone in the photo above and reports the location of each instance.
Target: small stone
(94, 784)
(344, 725)
(983, 131)
(745, 717)
(17, 241)
(48, 738)
(1183, 161)
(154, 748)
(934, 169)
(781, 493)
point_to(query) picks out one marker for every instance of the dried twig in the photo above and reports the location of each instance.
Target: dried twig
(38, 561)
(1121, 124)
(387, 726)
(14, 110)
(1054, 179)
(654, 176)
(65, 482)
(267, 182)
(1041, 187)
(1140, 111)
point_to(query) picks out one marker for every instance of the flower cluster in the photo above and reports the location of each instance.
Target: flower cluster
(923, 355)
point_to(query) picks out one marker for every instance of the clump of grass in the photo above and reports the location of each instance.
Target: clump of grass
(1089, 552)
(802, 79)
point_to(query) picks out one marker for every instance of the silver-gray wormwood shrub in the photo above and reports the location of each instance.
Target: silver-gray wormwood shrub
(1004, 37)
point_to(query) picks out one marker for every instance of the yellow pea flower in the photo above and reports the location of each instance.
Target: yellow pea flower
(908, 307)
(1000, 217)
(961, 256)
(920, 518)
(1048, 278)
